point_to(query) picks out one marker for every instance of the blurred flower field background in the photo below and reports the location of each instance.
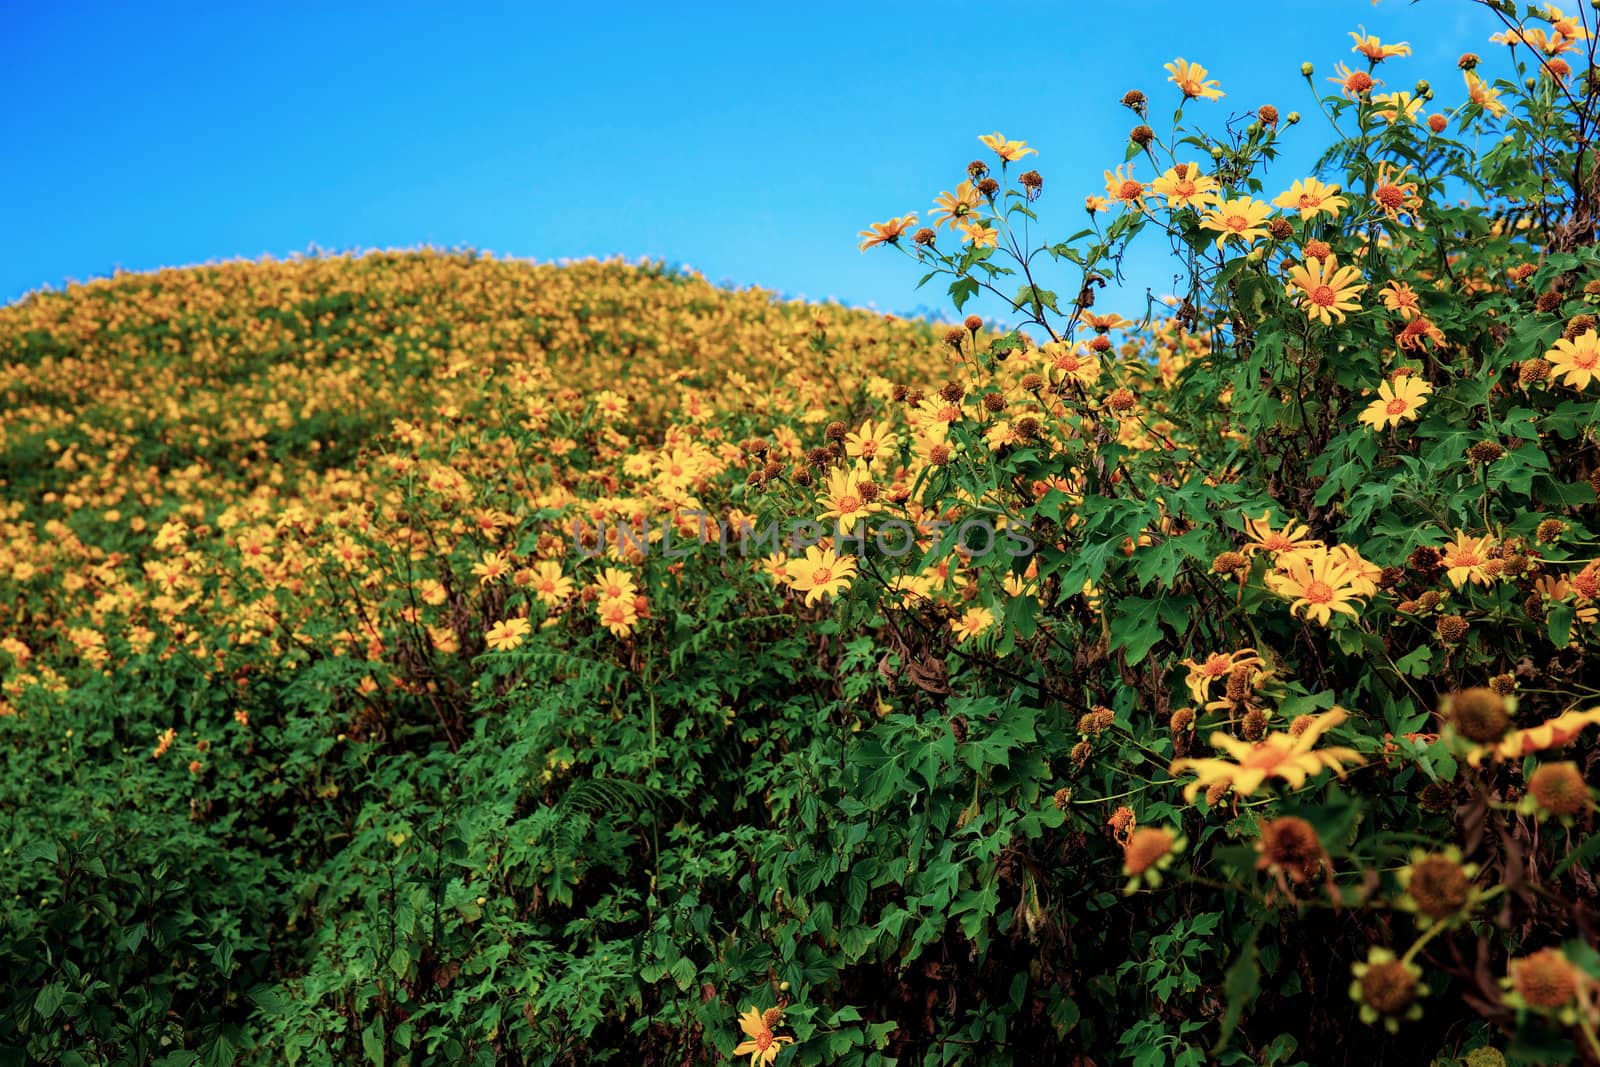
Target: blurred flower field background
(428, 657)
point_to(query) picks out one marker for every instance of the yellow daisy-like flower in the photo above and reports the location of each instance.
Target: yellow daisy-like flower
(1397, 107)
(1278, 755)
(980, 236)
(507, 633)
(1398, 401)
(1312, 198)
(1318, 584)
(1574, 361)
(886, 233)
(1479, 92)
(615, 584)
(1553, 733)
(760, 1043)
(845, 498)
(951, 208)
(1126, 190)
(821, 572)
(1292, 539)
(548, 583)
(1394, 195)
(1328, 290)
(1244, 218)
(1374, 49)
(974, 623)
(874, 441)
(1068, 362)
(618, 615)
(1401, 298)
(1185, 186)
(1353, 83)
(1464, 559)
(1191, 78)
(1010, 151)
(493, 567)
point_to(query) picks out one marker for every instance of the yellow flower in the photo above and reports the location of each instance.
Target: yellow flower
(952, 207)
(1553, 733)
(1394, 195)
(979, 235)
(615, 584)
(1244, 218)
(822, 572)
(761, 1043)
(618, 615)
(1400, 297)
(507, 633)
(975, 622)
(1292, 539)
(1353, 83)
(1465, 558)
(1376, 50)
(548, 583)
(1278, 755)
(1010, 151)
(886, 233)
(1185, 186)
(1205, 673)
(1329, 289)
(1480, 93)
(1312, 198)
(1067, 362)
(1191, 78)
(1318, 583)
(1574, 361)
(1397, 107)
(1125, 190)
(874, 441)
(492, 567)
(846, 499)
(1398, 401)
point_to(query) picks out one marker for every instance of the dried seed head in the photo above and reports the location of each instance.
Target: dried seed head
(1451, 628)
(1578, 325)
(1134, 99)
(925, 235)
(1280, 229)
(1547, 301)
(1468, 61)
(954, 336)
(1546, 979)
(1504, 684)
(1141, 135)
(1268, 115)
(1533, 370)
(995, 402)
(1485, 451)
(1559, 788)
(1549, 531)
(952, 392)
(1032, 382)
(1291, 845)
(1254, 726)
(977, 169)
(1318, 250)
(973, 323)
(1438, 884)
(988, 186)
(1229, 563)
(1478, 714)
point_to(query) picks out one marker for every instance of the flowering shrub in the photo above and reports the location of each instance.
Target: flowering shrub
(428, 658)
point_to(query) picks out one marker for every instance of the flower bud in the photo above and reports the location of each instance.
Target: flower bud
(1306, 69)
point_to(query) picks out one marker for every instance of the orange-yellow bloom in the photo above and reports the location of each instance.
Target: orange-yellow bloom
(1191, 78)
(1278, 755)
(1481, 93)
(1293, 538)
(1397, 107)
(1243, 218)
(1185, 186)
(974, 623)
(1376, 50)
(1353, 83)
(1464, 559)
(508, 633)
(1574, 361)
(1400, 297)
(950, 208)
(1010, 151)
(886, 233)
(1318, 583)
(1398, 401)
(1128, 191)
(1328, 289)
(1553, 733)
(761, 1043)
(1393, 194)
(822, 572)
(1312, 198)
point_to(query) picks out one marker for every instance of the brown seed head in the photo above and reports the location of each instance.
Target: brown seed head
(1451, 628)
(988, 186)
(1439, 885)
(1141, 135)
(952, 392)
(1547, 302)
(1559, 788)
(1268, 115)
(1549, 531)
(1388, 988)
(1468, 61)
(1533, 370)
(1546, 979)
(1280, 229)
(1318, 250)
(1290, 844)
(1229, 563)
(972, 323)
(977, 169)
(1485, 451)
(1578, 325)
(1478, 714)
(1122, 400)
(994, 402)
(925, 235)
(1134, 100)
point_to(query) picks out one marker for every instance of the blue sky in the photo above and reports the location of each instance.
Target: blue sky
(750, 141)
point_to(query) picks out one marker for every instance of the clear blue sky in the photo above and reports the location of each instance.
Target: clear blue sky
(750, 141)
